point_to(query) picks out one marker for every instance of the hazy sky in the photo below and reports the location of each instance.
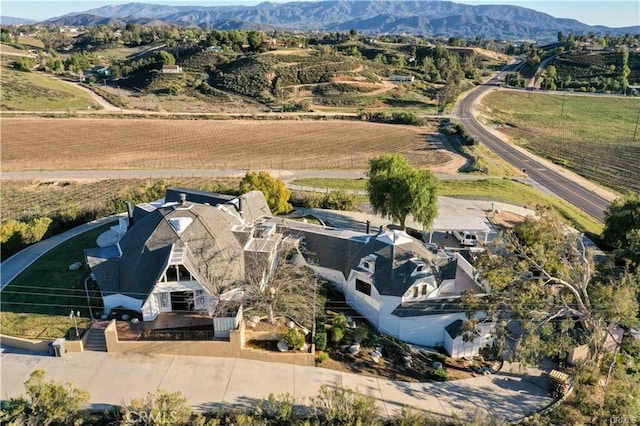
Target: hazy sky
(601, 12)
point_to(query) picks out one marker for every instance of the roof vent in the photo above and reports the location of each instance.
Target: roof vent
(183, 199)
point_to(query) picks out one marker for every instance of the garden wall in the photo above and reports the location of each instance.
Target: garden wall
(27, 344)
(233, 348)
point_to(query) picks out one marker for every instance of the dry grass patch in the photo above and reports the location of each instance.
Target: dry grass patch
(93, 144)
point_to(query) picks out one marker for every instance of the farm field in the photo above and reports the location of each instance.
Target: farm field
(26, 91)
(23, 199)
(591, 135)
(90, 144)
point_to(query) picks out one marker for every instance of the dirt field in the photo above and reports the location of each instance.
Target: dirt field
(90, 144)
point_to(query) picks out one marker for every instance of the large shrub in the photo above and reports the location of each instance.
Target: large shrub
(294, 338)
(321, 340)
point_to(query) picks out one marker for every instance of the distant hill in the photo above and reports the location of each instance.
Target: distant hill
(88, 19)
(10, 20)
(430, 18)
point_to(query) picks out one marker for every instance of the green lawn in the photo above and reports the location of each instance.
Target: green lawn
(333, 183)
(27, 91)
(591, 135)
(38, 302)
(503, 190)
(512, 192)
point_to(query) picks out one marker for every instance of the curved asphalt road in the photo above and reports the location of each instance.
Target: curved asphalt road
(555, 182)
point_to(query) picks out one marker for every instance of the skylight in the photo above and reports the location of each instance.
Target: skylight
(180, 224)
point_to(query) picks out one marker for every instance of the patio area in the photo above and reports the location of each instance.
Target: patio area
(128, 330)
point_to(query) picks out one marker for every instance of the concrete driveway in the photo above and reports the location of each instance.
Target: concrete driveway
(208, 383)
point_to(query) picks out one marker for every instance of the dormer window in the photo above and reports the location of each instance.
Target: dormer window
(368, 263)
(420, 267)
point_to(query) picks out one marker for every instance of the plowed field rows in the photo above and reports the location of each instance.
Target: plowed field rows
(90, 144)
(595, 136)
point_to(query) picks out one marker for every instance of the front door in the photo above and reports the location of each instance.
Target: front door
(181, 301)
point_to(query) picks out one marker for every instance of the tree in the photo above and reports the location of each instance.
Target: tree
(159, 408)
(396, 190)
(287, 293)
(274, 190)
(46, 403)
(561, 37)
(544, 279)
(25, 64)
(255, 40)
(165, 58)
(552, 71)
(447, 95)
(622, 228)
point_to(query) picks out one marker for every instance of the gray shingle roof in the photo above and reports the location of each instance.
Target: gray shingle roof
(196, 196)
(428, 307)
(454, 328)
(254, 206)
(393, 268)
(214, 254)
(343, 251)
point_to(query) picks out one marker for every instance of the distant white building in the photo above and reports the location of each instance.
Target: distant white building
(402, 78)
(171, 69)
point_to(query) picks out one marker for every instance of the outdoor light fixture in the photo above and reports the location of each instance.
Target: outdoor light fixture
(75, 315)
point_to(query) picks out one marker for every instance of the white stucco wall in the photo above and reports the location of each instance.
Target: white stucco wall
(333, 276)
(426, 330)
(368, 306)
(458, 348)
(150, 309)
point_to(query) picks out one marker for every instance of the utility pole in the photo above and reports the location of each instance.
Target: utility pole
(564, 98)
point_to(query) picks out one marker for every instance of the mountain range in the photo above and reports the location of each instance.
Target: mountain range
(417, 17)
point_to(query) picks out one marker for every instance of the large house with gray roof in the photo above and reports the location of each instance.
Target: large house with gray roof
(195, 247)
(181, 255)
(394, 281)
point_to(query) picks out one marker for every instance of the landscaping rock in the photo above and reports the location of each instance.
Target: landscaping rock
(354, 349)
(75, 266)
(437, 365)
(283, 346)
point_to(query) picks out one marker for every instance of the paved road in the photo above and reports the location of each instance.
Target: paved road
(286, 175)
(210, 383)
(564, 187)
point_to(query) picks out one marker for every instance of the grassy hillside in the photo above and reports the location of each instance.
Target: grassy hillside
(27, 91)
(591, 135)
